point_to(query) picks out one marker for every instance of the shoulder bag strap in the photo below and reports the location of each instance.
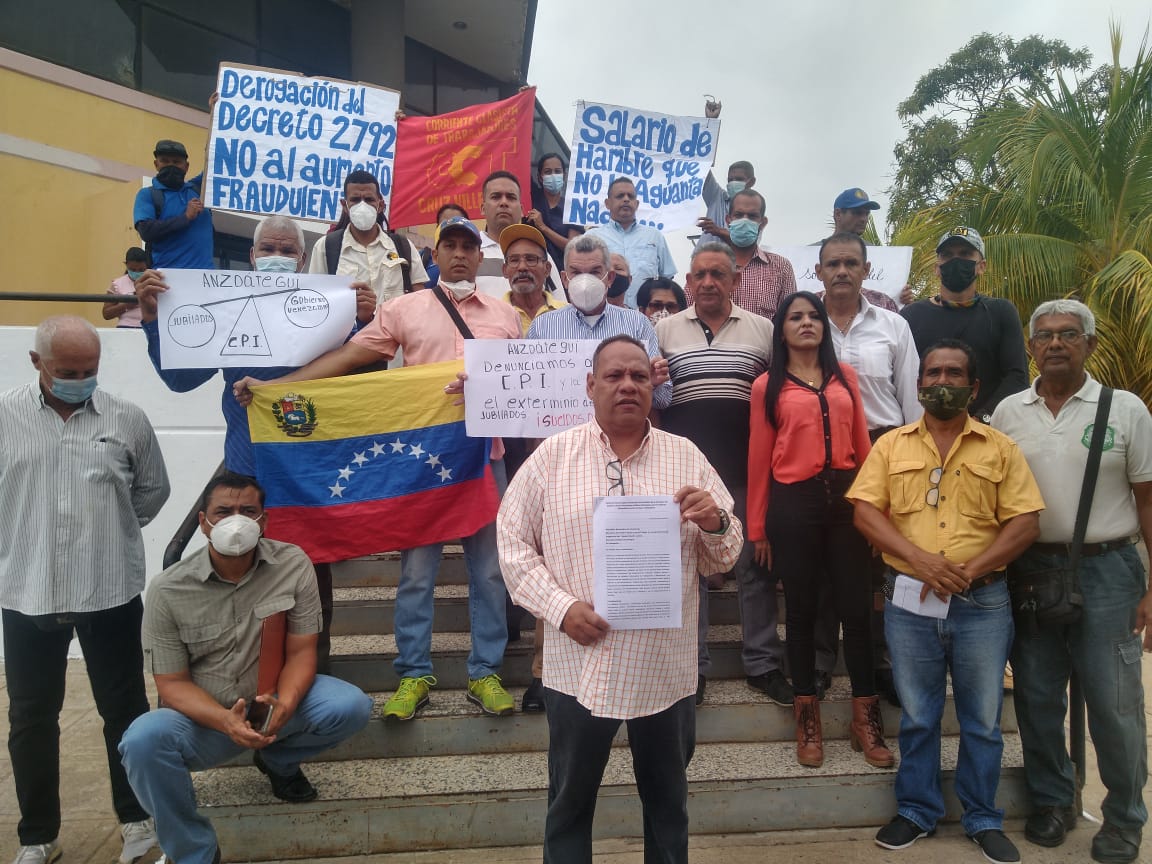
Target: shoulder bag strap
(1091, 470)
(450, 307)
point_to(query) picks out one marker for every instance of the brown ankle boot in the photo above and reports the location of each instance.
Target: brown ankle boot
(868, 732)
(809, 737)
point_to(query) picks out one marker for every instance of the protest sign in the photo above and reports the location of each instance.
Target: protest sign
(283, 143)
(526, 388)
(444, 159)
(889, 274)
(666, 157)
(211, 319)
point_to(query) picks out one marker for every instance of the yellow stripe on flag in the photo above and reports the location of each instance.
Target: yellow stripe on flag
(372, 404)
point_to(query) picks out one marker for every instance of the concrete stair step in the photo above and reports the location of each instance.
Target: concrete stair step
(371, 610)
(384, 569)
(455, 802)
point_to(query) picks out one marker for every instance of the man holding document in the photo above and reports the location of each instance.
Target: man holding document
(587, 536)
(950, 502)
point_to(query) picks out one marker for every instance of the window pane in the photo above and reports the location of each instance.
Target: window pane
(180, 60)
(234, 17)
(93, 36)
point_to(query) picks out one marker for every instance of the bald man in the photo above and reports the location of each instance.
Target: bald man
(80, 474)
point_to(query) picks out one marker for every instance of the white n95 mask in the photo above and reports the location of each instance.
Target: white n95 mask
(234, 535)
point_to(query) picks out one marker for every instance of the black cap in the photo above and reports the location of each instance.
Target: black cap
(164, 147)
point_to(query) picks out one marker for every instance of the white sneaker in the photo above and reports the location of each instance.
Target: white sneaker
(45, 853)
(139, 837)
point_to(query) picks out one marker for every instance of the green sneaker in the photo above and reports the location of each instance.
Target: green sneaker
(410, 697)
(489, 694)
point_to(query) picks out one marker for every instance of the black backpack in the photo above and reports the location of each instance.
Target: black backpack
(335, 239)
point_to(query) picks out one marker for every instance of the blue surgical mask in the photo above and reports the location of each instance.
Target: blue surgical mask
(553, 183)
(735, 187)
(276, 264)
(134, 274)
(72, 391)
(743, 232)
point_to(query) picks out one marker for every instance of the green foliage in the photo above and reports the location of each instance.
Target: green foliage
(1067, 210)
(948, 101)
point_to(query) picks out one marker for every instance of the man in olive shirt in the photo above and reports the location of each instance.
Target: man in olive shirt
(202, 635)
(950, 502)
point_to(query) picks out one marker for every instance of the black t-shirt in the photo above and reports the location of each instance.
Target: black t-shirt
(991, 327)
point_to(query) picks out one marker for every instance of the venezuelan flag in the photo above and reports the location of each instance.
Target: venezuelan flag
(369, 463)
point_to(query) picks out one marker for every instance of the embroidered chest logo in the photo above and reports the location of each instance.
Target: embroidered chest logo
(295, 415)
(1109, 437)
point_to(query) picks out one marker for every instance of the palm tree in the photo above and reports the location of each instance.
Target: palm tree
(1069, 211)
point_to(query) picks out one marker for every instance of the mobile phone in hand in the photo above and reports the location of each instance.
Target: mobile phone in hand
(260, 715)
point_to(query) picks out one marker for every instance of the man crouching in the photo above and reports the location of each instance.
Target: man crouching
(203, 621)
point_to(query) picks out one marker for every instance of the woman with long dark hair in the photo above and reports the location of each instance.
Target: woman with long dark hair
(808, 438)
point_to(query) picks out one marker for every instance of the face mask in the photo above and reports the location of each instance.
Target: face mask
(943, 401)
(234, 535)
(276, 264)
(620, 285)
(74, 392)
(743, 232)
(171, 176)
(735, 187)
(957, 274)
(460, 290)
(586, 292)
(553, 183)
(134, 274)
(659, 315)
(363, 215)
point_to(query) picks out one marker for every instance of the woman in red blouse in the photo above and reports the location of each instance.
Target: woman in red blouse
(808, 438)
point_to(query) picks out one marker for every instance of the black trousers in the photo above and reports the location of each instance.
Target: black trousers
(578, 747)
(35, 661)
(814, 543)
(324, 640)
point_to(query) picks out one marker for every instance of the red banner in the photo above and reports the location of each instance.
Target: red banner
(445, 158)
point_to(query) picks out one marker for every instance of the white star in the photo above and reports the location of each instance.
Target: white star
(337, 490)
(417, 451)
(359, 459)
(445, 474)
(377, 449)
(397, 446)
(432, 460)
(345, 473)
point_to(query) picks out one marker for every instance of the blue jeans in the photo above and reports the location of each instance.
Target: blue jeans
(1106, 656)
(972, 643)
(161, 747)
(487, 599)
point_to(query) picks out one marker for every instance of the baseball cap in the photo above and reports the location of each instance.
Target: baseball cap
(457, 224)
(969, 235)
(165, 147)
(521, 232)
(852, 198)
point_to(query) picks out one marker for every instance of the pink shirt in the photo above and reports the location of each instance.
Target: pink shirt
(131, 316)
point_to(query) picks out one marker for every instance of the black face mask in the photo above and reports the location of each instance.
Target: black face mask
(957, 274)
(620, 284)
(171, 176)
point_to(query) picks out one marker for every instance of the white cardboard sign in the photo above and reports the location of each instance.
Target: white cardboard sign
(890, 268)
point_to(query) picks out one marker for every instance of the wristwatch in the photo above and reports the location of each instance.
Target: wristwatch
(725, 523)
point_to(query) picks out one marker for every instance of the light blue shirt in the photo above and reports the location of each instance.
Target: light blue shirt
(716, 200)
(643, 247)
(570, 323)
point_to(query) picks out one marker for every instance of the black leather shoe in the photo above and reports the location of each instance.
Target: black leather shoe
(886, 687)
(1114, 845)
(295, 789)
(773, 685)
(1048, 826)
(533, 701)
(701, 686)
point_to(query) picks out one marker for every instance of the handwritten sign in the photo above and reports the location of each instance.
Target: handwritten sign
(890, 268)
(666, 157)
(526, 388)
(283, 143)
(210, 319)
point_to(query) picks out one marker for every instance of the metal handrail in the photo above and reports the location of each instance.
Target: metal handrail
(174, 551)
(61, 297)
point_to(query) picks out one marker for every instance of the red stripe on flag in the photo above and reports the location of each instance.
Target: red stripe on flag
(344, 531)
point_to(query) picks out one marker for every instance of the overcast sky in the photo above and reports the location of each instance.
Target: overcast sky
(810, 88)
